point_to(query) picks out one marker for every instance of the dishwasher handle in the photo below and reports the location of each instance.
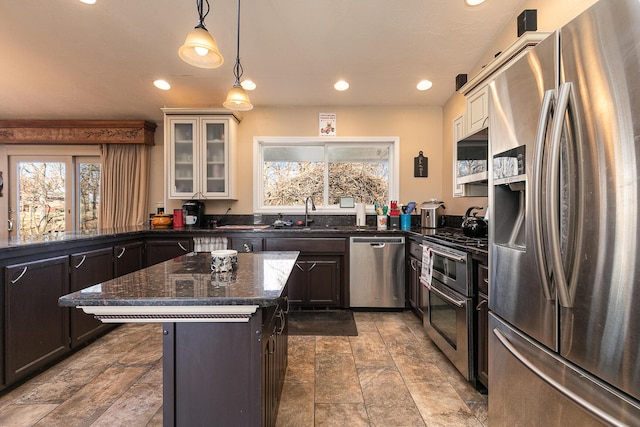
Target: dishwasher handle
(378, 245)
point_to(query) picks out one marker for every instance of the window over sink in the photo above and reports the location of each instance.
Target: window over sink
(291, 169)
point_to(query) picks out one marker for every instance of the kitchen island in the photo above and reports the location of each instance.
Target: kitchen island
(225, 334)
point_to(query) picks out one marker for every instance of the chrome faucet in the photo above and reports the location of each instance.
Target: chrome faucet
(308, 221)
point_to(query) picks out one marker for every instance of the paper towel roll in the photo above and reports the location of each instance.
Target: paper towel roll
(361, 216)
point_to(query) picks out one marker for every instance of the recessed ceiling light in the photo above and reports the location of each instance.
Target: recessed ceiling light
(162, 84)
(424, 85)
(341, 85)
(88, 1)
(473, 2)
(248, 85)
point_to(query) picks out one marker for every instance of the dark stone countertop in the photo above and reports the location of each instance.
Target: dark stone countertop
(260, 280)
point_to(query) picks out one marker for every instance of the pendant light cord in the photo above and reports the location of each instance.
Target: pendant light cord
(201, 16)
(237, 69)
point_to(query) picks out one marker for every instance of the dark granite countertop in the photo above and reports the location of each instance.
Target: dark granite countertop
(260, 280)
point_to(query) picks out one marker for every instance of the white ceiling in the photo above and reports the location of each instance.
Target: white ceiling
(62, 59)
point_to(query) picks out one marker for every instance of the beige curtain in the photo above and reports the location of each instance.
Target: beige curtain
(124, 184)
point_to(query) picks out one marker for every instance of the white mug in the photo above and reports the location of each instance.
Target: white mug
(224, 260)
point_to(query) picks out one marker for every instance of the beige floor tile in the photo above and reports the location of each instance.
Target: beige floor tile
(301, 365)
(93, 399)
(24, 415)
(369, 350)
(136, 407)
(341, 414)
(333, 345)
(336, 380)
(441, 405)
(387, 398)
(296, 405)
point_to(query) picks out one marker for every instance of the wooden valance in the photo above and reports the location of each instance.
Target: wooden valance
(85, 132)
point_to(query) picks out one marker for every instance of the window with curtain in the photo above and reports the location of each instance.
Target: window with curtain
(54, 193)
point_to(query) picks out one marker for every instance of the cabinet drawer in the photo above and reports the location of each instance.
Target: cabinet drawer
(483, 279)
(321, 245)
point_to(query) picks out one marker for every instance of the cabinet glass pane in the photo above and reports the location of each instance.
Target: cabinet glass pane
(215, 158)
(183, 149)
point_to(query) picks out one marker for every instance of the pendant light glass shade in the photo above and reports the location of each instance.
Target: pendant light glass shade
(237, 99)
(200, 49)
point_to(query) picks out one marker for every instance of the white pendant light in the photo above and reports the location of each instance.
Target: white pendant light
(237, 98)
(200, 48)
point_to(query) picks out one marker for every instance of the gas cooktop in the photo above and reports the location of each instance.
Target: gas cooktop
(452, 235)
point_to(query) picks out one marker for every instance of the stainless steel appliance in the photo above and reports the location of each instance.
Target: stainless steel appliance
(565, 277)
(448, 315)
(431, 214)
(193, 213)
(376, 272)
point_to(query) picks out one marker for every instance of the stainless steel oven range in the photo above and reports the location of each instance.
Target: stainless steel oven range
(448, 307)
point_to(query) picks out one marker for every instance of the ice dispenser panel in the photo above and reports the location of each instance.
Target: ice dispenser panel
(510, 197)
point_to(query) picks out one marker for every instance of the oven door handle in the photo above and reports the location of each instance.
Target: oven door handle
(457, 303)
(449, 256)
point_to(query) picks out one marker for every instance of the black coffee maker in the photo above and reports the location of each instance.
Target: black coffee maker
(193, 214)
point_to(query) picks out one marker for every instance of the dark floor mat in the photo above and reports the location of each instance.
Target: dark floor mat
(328, 323)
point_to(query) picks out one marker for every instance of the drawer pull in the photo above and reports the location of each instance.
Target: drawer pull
(182, 247)
(121, 254)
(84, 258)
(24, 270)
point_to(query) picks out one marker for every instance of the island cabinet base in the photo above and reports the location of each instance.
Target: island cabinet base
(224, 374)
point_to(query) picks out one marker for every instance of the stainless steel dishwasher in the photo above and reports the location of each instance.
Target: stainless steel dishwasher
(376, 272)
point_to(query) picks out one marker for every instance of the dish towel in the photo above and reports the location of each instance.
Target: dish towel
(208, 244)
(427, 266)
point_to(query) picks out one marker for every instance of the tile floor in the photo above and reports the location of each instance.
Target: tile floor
(389, 375)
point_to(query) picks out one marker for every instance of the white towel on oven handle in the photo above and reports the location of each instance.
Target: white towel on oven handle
(426, 272)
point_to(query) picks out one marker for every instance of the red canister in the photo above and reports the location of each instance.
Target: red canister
(178, 220)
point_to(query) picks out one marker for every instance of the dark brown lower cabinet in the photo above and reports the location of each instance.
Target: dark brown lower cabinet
(315, 281)
(318, 276)
(162, 250)
(87, 269)
(37, 330)
(225, 373)
(128, 258)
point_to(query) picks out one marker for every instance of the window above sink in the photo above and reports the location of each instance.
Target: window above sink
(291, 169)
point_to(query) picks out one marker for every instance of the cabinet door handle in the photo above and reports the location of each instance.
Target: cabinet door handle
(299, 267)
(312, 266)
(84, 258)
(182, 247)
(246, 248)
(120, 255)
(24, 270)
(479, 306)
(283, 321)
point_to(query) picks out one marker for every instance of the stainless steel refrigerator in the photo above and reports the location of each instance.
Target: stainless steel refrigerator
(564, 293)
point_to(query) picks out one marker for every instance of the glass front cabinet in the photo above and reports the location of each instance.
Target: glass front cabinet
(200, 155)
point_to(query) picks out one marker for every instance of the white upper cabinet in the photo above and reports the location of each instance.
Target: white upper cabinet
(200, 154)
(477, 112)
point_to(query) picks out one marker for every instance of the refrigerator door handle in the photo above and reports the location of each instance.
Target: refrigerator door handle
(587, 406)
(546, 112)
(553, 211)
